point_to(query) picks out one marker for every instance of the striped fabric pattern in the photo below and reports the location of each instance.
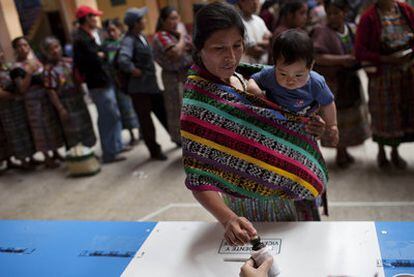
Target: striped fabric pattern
(244, 146)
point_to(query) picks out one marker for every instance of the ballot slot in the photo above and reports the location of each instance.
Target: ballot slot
(273, 243)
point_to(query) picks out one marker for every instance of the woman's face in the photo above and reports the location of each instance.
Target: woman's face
(114, 32)
(335, 17)
(222, 52)
(22, 49)
(300, 17)
(54, 51)
(171, 22)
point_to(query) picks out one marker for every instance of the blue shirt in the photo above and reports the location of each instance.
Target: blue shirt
(297, 100)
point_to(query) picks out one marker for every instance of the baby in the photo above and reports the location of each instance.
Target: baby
(292, 84)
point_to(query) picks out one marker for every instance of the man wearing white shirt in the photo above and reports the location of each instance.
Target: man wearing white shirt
(257, 35)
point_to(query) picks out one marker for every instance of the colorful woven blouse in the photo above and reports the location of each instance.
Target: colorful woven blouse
(244, 146)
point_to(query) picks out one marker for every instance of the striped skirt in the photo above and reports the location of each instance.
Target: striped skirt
(43, 120)
(13, 117)
(173, 98)
(353, 125)
(391, 98)
(79, 127)
(4, 150)
(261, 210)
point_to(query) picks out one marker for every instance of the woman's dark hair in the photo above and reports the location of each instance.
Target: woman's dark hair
(293, 45)
(115, 21)
(340, 4)
(214, 17)
(16, 41)
(267, 4)
(290, 7)
(164, 14)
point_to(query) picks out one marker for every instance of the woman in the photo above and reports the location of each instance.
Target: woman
(136, 61)
(43, 121)
(292, 15)
(242, 155)
(385, 38)
(334, 43)
(267, 13)
(111, 45)
(172, 51)
(66, 97)
(13, 118)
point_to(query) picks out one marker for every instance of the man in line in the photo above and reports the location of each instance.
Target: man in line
(89, 61)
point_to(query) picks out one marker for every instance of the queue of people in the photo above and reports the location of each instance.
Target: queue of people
(42, 100)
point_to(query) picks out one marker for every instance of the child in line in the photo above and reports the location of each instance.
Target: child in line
(292, 84)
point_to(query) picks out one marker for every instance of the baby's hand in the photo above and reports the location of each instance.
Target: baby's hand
(258, 93)
(253, 88)
(331, 135)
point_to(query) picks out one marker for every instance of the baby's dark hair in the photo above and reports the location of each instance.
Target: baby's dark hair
(292, 46)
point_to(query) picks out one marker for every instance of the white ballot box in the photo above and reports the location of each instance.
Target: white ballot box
(313, 249)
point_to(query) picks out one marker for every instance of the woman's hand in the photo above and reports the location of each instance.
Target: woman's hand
(4, 94)
(316, 126)
(248, 269)
(239, 231)
(136, 72)
(395, 59)
(349, 61)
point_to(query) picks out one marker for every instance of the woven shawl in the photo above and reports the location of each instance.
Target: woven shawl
(244, 146)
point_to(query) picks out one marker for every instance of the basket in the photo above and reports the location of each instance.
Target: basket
(81, 161)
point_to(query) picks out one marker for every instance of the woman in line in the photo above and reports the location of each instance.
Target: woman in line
(245, 159)
(172, 51)
(66, 96)
(111, 45)
(46, 130)
(292, 15)
(385, 39)
(334, 47)
(13, 118)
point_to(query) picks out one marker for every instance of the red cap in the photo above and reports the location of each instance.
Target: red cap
(83, 11)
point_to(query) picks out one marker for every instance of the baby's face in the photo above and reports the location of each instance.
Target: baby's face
(292, 76)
